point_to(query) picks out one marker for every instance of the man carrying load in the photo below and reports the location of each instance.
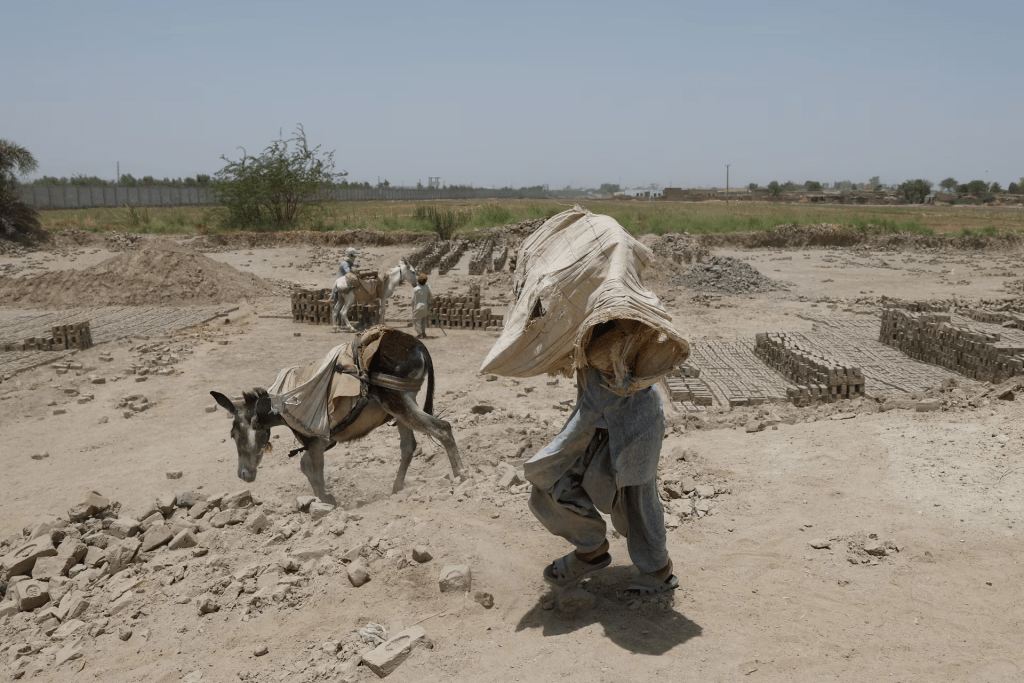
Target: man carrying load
(581, 308)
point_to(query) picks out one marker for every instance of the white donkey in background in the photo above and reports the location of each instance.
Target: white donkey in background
(348, 289)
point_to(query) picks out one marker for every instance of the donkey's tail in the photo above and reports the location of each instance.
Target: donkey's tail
(428, 403)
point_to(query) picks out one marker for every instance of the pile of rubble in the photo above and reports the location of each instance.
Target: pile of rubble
(726, 275)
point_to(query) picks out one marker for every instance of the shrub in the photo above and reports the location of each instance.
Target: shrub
(16, 217)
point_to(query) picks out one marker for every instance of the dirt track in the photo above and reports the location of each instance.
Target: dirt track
(756, 600)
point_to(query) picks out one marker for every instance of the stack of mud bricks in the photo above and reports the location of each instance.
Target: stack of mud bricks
(1011, 320)
(312, 306)
(451, 258)
(933, 338)
(76, 336)
(464, 311)
(687, 390)
(36, 344)
(818, 378)
(481, 262)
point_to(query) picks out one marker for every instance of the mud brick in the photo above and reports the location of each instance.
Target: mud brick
(22, 559)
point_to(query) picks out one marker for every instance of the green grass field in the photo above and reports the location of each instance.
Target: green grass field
(636, 216)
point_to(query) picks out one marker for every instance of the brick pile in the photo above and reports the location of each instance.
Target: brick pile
(1006, 319)
(465, 311)
(481, 261)
(442, 255)
(817, 377)
(687, 391)
(313, 306)
(63, 337)
(934, 338)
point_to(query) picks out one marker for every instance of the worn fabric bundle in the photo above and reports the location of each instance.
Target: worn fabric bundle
(578, 278)
(311, 398)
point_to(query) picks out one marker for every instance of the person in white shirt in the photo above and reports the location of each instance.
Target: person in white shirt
(421, 307)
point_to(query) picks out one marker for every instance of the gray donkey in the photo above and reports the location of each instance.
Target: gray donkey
(255, 418)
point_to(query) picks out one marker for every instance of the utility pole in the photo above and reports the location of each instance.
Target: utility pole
(727, 183)
(118, 173)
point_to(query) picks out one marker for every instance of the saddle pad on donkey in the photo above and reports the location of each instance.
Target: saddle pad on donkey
(314, 397)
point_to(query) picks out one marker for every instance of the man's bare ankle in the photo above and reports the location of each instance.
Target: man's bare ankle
(593, 554)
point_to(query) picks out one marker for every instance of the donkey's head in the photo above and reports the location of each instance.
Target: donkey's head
(250, 428)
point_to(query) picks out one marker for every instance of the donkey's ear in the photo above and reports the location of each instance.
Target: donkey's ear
(263, 406)
(224, 402)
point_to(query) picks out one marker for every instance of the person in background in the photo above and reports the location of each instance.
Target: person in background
(421, 306)
(348, 265)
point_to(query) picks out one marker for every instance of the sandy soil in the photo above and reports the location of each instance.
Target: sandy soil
(756, 602)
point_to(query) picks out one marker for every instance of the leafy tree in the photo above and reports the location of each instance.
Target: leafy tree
(609, 188)
(752, 187)
(812, 186)
(774, 189)
(277, 188)
(15, 215)
(789, 186)
(875, 181)
(995, 187)
(1013, 188)
(949, 184)
(978, 188)
(915, 191)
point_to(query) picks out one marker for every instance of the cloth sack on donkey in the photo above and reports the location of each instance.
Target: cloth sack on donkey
(313, 397)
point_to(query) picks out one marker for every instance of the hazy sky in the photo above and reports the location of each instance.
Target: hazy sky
(524, 93)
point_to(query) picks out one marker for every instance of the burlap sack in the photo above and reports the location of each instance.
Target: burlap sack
(314, 397)
(576, 272)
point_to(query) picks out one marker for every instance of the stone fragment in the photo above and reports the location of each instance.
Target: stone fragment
(227, 517)
(257, 523)
(238, 499)
(820, 544)
(175, 474)
(186, 499)
(304, 555)
(318, 510)
(481, 409)
(48, 567)
(94, 556)
(455, 578)
(200, 509)
(123, 527)
(76, 605)
(73, 548)
(357, 573)
(485, 599)
(302, 503)
(124, 633)
(30, 594)
(40, 456)
(260, 651)
(205, 604)
(876, 548)
(22, 559)
(422, 554)
(59, 586)
(121, 603)
(68, 628)
(754, 426)
(184, 539)
(928, 405)
(69, 652)
(508, 476)
(705, 491)
(165, 503)
(389, 655)
(157, 536)
(121, 555)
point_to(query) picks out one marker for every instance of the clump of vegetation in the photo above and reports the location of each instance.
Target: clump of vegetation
(135, 216)
(916, 191)
(16, 217)
(279, 188)
(445, 222)
(495, 214)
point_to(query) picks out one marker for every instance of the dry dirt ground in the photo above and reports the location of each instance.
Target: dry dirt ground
(756, 601)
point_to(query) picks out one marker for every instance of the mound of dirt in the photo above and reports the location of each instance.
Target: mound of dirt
(726, 275)
(158, 273)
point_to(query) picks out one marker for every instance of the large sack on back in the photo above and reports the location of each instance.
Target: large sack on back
(580, 271)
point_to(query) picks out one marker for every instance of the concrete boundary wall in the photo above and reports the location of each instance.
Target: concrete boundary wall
(85, 196)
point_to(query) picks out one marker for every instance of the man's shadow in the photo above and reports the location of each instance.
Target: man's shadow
(646, 628)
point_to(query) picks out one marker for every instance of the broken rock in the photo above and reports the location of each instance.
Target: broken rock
(30, 594)
(227, 517)
(157, 536)
(455, 578)
(357, 573)
(422, 554)
(388, 656)
(22, 559)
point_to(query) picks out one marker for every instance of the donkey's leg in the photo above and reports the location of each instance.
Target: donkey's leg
(345, 305)
(312, 465)
(408, 448)
(405, 411)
